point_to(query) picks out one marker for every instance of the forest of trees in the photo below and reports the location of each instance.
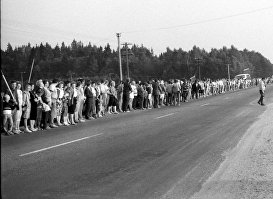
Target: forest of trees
(96, 62)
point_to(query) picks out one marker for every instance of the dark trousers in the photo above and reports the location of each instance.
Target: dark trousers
(194, 93)
(135, 102)
(45, 118)
(169, 99)
(140, 100)
(261, 100)
(145, 102)
(90, 107)
(185, 95)
(125, 101)
(156, 101)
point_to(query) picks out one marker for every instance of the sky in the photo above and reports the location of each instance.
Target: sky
(156, 24)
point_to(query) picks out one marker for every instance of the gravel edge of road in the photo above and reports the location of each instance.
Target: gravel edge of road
(247, 171)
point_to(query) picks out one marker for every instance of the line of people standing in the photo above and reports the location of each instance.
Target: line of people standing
(47, 105)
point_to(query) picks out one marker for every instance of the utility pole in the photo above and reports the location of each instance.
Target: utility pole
(228, 77)
(228, 72)
(22, 80)
(199, 60)
(127, 57)
(188, 69)
(119, 55)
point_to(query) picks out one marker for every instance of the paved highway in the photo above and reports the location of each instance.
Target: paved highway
(162, 153)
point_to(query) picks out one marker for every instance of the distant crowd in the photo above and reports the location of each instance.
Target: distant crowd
(51, 104)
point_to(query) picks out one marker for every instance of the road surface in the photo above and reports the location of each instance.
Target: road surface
(162, 153)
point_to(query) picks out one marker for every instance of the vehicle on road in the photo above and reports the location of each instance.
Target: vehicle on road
(243, 76)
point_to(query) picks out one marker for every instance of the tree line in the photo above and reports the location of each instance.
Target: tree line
(76, 60)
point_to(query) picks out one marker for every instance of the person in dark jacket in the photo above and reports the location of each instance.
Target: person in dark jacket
(185, 91)
(126, 94)
(140, 96)
(89, 100)
(195, 89)
(156, 93)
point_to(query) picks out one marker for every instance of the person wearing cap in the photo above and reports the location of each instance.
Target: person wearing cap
(262, 91)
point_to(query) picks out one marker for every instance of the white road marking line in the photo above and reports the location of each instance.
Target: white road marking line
(205, 104)
(47, 148)
(164, 116)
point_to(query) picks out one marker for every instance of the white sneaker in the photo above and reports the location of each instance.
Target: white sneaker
(27, 131)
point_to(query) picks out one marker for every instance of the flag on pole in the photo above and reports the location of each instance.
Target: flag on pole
(7, 85)
(31, 71)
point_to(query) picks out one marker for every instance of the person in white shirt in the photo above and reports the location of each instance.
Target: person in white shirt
(54, 97)
(262, 91)
(59, 102)
(104, 89)
(132, 95)
(18, 114)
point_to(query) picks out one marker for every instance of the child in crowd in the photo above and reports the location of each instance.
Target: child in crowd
(8, 106)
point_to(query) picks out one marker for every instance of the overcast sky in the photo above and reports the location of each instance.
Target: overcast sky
(156, 24)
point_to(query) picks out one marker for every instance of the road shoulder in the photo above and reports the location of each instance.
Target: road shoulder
(247, 171)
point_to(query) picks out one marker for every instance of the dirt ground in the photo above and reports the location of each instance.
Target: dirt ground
(247, 172)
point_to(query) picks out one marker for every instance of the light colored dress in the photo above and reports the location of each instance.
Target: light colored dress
(26, 105)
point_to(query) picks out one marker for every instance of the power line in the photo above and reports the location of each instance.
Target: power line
(33, 31)
(202, 21)
(41, 36)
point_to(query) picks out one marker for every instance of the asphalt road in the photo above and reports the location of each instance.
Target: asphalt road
(161, 153)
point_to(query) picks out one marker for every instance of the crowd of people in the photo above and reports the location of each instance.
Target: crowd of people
(51, 104)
